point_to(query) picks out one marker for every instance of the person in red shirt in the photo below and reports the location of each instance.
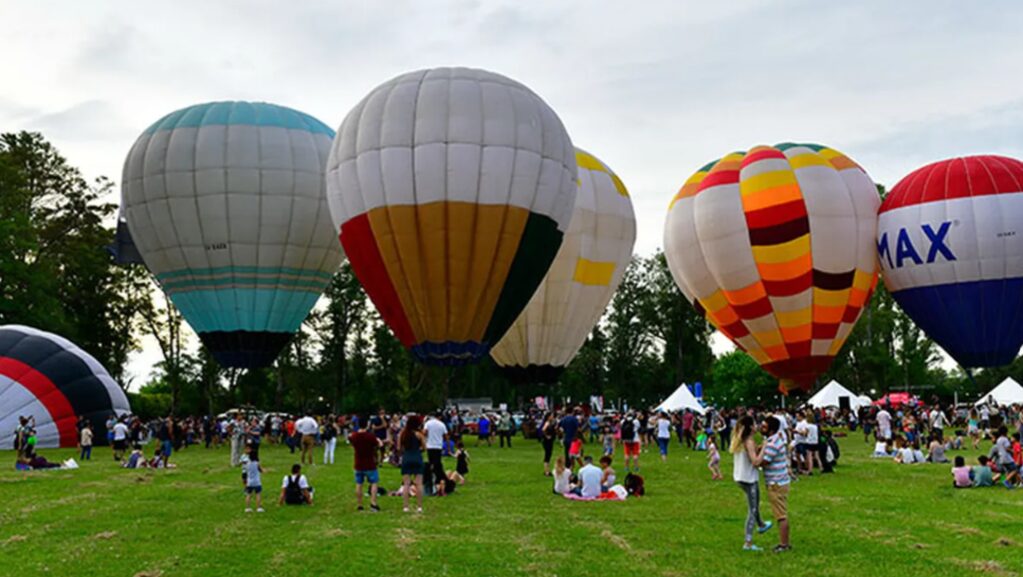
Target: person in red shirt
(289, 431)
(365, 445)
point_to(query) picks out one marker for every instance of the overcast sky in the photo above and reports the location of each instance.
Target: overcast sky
(654, 88)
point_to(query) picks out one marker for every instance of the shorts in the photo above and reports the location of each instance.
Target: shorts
(484, 436)
(372, 477)
(631, 449)
(413, 468)
(166, 448)
(801, 449)
(120, 445)
(308, 441)
(778, 496)
(257, 489)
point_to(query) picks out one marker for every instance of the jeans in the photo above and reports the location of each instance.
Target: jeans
(236, 451)
(328, 451)
(662, 443)
(753, 519)
(86, 453)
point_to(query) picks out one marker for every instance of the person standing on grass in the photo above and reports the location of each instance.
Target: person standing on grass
(253, 481)
(120, 439)
(483, 430)
(329, 436)
(505, 426)
(365, 445)
(631, 442)
(85, 441)
(884, 424)
(307, 427)
(774, 458)
(744, 454)
(411, 441)
(663, 434)
(436, 434)
(237, 433)
(548, 432)
(569, 425)
(165, 434)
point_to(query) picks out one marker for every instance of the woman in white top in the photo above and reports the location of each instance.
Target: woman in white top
(562, 477)
(744, 451)
(663, 434)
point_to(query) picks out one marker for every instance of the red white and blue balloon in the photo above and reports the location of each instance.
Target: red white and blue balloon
(950, 243)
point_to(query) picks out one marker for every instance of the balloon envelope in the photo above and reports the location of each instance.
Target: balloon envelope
(47, 377)
(451, 189)
(950, 243)
(585, 274)
(776, 247)
(225, 202)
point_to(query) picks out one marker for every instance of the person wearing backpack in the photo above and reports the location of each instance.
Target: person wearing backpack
(631, 441)
(295, 488)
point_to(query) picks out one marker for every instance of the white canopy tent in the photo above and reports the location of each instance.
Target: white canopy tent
(681, 399)
(831, 394)
(1009, 392)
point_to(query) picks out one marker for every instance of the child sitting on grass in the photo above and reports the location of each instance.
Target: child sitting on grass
(982, 474)
(713, 460)
(607, 478)
(961, 474)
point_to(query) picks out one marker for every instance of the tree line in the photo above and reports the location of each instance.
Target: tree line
(56, 275)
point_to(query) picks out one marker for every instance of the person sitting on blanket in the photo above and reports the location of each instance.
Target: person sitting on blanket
(589, 479)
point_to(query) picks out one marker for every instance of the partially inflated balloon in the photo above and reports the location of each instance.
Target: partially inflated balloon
(585, 273)
(776, 247)
(47, 377)
(451, 189)
(226, 204)
(950, 242)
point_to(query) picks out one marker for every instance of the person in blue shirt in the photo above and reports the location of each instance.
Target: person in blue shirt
(594, 427)
(569, 425)
(483, 430)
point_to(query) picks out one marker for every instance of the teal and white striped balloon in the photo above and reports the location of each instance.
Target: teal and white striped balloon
(226, 204)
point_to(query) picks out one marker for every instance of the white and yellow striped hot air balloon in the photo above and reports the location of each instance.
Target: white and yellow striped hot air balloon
(585, 274)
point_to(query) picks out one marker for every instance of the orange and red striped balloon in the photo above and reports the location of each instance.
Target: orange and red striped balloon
(776, 247)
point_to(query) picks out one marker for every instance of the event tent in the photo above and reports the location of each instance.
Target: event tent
(831, 395)
(682, 398)
(1009, 392)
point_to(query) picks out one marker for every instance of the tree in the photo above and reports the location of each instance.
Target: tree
(739, 380)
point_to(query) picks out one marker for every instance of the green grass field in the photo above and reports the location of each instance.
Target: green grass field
(870, 518)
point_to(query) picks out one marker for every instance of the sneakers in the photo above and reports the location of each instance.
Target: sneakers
(405, 509)
(360, 508)
(419, 509)
(374, 508)
(782, 548)
(751, 547)
(248, 509)
(261, 510)
(1008, 485)
(767, 527)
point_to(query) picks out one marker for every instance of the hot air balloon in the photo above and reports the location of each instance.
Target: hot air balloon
(776, 247)
(950, 243)
(46, 377)
(225, 202)
(585, 274)
(451, 189)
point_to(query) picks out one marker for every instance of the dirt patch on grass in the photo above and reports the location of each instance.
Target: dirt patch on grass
(404, 538)
(338, 533)
(988, 567)
(14, 539)
(1005, 542)
(152, 573)
(616, 540)
(105, 535)
(960, 529)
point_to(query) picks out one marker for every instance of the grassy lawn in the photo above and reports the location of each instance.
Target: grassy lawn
(870, 518)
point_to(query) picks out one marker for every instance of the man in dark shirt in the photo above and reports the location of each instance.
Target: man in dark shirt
(569, 425)
(378, 425)
(365, 445)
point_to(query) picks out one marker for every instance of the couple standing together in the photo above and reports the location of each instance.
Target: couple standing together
(772, 456)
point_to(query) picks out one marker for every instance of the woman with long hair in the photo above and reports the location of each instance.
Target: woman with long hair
(411, 442)
(548, 432)
(744, 453)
